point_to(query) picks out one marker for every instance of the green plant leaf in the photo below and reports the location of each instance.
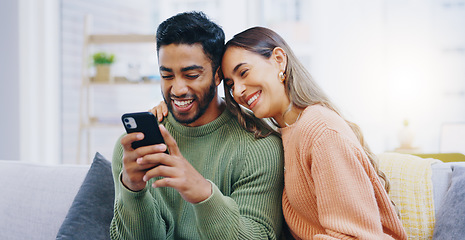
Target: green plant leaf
(103, 58)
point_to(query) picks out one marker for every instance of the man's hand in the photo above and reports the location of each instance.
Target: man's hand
(176, 171)
(132, 171)
(160, 111)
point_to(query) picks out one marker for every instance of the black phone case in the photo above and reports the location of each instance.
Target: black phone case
(146, 123)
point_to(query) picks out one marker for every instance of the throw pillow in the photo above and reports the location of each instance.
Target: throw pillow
(450, 220)
(92, 209)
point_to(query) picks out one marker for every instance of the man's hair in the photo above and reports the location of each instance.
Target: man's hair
(192, 28)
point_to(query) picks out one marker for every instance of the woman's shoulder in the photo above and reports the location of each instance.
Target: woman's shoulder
(319, 112)
(317, 117)
(317, 120)
(320, 119)
(321, 115)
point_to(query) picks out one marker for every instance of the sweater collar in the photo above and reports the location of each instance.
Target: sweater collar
(201, 130)
(285, 130)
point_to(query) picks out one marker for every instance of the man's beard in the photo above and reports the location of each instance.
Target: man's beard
(203, 104)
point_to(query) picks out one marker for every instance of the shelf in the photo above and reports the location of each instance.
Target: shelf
(88, 120)
(118, 38)
(109, 122)
(124, 81)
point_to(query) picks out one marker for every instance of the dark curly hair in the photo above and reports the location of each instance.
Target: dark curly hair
(192, 28)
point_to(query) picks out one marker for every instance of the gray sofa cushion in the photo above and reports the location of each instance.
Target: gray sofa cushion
(92, 210)
(441, 174)
(450, 219)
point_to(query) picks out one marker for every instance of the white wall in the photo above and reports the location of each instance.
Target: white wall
(30, 87)
(385, 61)
(40, 80)
(348, 42)
(9, 81)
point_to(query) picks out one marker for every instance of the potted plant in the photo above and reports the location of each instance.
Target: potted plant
(102, 62)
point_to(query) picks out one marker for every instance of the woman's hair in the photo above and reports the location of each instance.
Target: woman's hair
(299, 85)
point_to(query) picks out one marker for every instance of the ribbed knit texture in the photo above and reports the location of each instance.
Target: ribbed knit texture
(332, 191)
(247, 177)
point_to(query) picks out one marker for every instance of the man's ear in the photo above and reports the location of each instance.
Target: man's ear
(279, 55)
(218, 76)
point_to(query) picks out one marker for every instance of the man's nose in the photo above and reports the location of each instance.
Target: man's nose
(179, 87)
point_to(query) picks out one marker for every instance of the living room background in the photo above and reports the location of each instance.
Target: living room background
(380, 61)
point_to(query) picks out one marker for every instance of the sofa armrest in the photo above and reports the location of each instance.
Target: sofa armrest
(36, 197)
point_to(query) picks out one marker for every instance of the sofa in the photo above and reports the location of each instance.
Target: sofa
(429, 193)
(41, 201)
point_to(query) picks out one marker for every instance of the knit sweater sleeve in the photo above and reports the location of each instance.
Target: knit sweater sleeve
(137, 215)
(344, 189)
(253, 209)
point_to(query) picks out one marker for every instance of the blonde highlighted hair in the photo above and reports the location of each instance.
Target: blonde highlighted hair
(299, 85)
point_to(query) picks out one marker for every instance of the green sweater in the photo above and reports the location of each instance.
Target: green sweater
(247, 184)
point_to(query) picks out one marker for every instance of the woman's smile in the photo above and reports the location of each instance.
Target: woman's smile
(252, 99)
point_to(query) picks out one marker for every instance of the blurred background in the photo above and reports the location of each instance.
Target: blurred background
(396, 68)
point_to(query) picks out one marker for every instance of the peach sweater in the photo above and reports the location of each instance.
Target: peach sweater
(331, 189)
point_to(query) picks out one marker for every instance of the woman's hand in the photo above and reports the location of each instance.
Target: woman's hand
(160, 111)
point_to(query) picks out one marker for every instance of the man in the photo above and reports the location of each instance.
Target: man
(218, 181)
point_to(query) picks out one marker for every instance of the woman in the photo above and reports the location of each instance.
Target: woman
(333, 187)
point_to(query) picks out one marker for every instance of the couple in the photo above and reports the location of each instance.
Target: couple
(224, 176)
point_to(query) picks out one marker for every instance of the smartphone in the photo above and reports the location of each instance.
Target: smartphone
(146, 123)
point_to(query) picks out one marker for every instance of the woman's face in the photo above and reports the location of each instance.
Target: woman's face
(254, 81)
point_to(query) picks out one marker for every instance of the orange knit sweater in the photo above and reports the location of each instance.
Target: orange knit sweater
(331, 189)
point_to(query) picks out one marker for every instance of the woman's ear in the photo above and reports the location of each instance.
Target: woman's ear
(279, 55)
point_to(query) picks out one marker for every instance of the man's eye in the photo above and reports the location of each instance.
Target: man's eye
(193, 76)
(167, 77)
